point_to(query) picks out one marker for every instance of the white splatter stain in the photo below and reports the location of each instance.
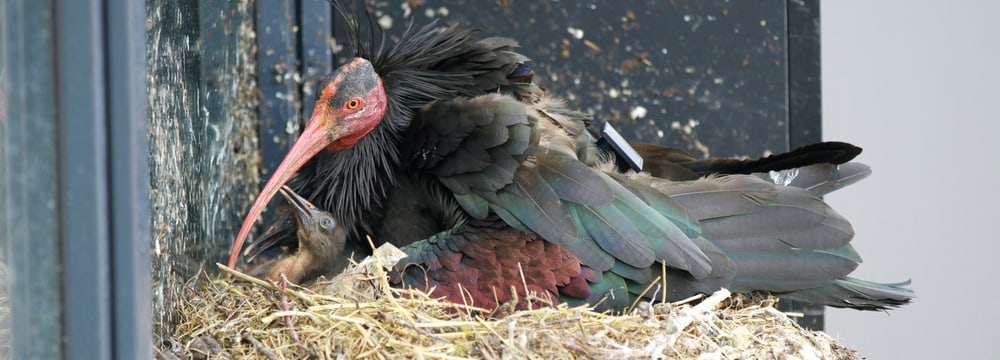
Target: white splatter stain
(385, 22)
(577, 33)
(638, 112)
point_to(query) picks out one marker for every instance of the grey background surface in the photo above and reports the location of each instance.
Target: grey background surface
(917, 84)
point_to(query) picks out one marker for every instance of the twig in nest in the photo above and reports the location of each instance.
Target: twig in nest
(524, 282)
(563, 320)
(261, 348)
(653, 283)
(566, 344)
(235, 273)
(424, 332)
(284, 306)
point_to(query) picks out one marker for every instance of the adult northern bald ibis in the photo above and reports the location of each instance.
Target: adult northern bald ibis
(442, 144)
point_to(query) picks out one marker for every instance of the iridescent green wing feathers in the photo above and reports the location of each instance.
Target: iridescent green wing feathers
(504, 156)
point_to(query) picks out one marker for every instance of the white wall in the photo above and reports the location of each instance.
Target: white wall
(917, 85)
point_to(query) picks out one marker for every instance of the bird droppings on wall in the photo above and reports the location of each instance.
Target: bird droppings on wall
(682, 59)
(202, 138)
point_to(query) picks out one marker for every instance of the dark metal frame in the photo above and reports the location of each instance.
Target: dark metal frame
(284, 51)
(805, 113)
(805, 101)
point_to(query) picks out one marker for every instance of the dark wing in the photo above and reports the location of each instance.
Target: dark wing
(499, 156)
(781, 238)
(785, 239)
(527, 168)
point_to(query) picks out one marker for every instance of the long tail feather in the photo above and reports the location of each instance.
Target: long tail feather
(859, 294)
(820, 179)
(676, 164)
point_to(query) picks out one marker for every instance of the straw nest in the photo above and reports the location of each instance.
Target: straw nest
(357, 315)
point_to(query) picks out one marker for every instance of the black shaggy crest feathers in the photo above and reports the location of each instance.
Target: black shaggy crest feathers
(426, 63)
(429, 63)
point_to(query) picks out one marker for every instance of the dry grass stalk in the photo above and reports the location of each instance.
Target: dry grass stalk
(352, 317)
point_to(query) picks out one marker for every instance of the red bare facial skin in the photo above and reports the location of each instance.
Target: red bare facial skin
(332, 128)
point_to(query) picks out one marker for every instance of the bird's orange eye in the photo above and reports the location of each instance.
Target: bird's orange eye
(353, 104)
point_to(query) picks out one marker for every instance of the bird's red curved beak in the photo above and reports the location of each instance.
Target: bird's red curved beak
(314, 138)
